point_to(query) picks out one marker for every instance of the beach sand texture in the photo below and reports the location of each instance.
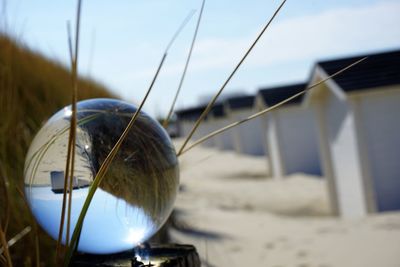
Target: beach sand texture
(237, 216)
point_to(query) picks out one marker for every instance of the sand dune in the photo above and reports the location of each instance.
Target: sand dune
(236, 216)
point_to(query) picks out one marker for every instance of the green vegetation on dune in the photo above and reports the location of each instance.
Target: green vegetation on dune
(32, 88)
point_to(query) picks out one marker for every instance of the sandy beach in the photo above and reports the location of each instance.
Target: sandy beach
(236, 215)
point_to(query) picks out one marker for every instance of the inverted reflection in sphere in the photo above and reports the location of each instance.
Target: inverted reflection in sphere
(137, 193)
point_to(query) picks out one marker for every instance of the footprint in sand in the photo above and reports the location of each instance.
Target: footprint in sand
(269, 245)
(302, 254)
(331, 230)
(235, 249)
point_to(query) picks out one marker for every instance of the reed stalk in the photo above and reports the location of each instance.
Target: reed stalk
(69, 169)
(102, 171)
(34, 226)
(73, 53)
(171, 110)
(211, 103)
(5, 249)
(108, 160)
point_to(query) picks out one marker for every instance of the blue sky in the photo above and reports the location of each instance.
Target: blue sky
(122, 44)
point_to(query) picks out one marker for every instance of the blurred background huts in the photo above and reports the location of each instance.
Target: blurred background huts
(346, 131)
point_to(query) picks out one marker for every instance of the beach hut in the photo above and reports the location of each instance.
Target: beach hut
(57, 182)
(219, 119)
(247, 138)
(289, 132)
(359, 129)
(187, 119)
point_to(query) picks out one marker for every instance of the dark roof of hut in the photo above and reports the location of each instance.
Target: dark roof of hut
(274, 95)
(378, 70)
(239, 102)
(218, 110)
(190, 113)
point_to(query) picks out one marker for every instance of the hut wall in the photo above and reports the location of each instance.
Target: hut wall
(298, 144)
(293, 143)
(184, 127)
(275, 157)
(248, 137)
(203, 129)
(223, 141)
(380, 127)
(345, 160)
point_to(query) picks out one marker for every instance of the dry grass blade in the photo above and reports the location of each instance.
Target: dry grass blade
(184, 167)
(105, 165)
(68, 163)
(16, 238)
(35, 228)
(69, 169)
(103, 169)
(210, 135)
(211, 103)
(6, 198)
(4, 248)
(91, 53)
(171, 110)
(178, 31)
(74, 111)
(3, 260)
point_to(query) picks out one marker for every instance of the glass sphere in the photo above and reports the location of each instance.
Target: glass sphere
(137, 193)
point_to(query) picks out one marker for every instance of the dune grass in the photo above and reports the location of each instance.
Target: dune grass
(32, 88)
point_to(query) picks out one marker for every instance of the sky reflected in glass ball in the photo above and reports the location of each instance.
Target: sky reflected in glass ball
(137, 193)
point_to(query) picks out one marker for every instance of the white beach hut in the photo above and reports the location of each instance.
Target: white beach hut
(359, 130)
(219, 119)
(289, 132)
(187, 119)
(248, 137)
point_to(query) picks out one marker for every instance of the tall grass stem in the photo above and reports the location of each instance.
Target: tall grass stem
(211, 103)
(171, 110)
(103, 169)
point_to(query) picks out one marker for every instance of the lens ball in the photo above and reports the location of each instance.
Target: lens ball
(137, 193)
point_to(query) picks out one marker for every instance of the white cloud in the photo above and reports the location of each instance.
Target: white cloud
(339, 31)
